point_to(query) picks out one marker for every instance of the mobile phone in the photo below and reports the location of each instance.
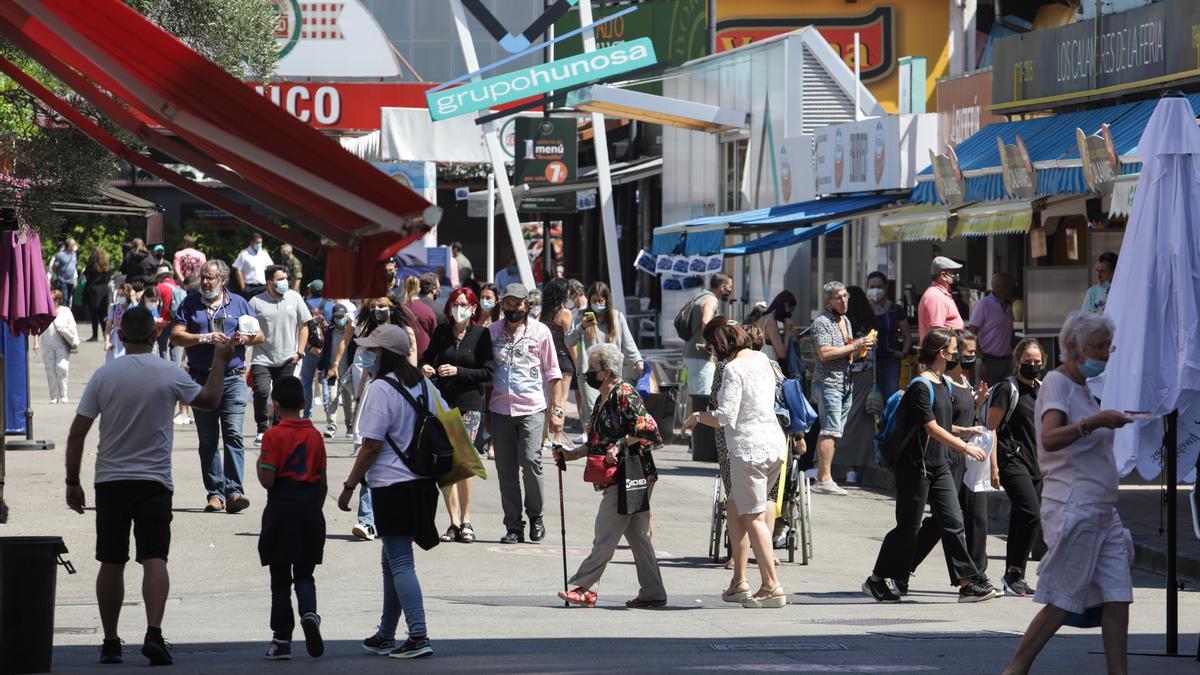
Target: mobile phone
(590, 315)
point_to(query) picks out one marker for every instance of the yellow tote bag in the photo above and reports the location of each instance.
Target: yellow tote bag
(782, 482)
(466, 457)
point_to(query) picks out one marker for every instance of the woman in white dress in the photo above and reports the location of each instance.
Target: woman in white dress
(56, 345)
(746, 411)
(1087, 564)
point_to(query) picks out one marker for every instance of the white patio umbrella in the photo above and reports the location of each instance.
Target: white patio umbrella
(1155, 304)
(1155, 296)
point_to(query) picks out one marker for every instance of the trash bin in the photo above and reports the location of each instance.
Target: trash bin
(28, 569)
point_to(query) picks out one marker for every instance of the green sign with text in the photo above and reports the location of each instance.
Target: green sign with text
(510, 87)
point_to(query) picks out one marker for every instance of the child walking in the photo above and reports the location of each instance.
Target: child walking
(291, 466)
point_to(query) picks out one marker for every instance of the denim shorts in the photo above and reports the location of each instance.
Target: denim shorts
(700, 376)
(833, 406)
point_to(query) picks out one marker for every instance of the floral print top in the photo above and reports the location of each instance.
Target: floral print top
(623, 414)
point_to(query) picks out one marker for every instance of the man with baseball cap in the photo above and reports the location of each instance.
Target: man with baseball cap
(526, 368)
(133, 470)
(937, 308)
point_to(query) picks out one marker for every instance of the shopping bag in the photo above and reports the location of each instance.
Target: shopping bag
(633, 490)
(466, 458)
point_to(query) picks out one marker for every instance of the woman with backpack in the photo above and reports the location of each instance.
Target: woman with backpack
(405, 502)
(967, 402)
(1015, 461)
(918, 450)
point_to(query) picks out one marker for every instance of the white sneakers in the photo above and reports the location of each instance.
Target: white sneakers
(364, 531)
(181, 419)
(828, 488)
(852, 477)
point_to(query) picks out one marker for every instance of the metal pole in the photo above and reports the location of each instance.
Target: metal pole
(1171, 455)
(820, 272)
(608, 217)
(991, 259)
(711, 11)
(857, 81)
(495, 152)
(491, 228)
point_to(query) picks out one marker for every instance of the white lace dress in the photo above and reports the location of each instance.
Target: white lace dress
(746, 410)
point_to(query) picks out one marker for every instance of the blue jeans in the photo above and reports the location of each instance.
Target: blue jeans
(308, 373)
(401, 590)
(366, 508)
(165, 350)
(222, 479)
(833, 405)
(887, 377)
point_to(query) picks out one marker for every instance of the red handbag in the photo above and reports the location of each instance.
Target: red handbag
(598, 472)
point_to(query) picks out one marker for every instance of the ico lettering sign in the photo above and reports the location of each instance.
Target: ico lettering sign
(539, 79)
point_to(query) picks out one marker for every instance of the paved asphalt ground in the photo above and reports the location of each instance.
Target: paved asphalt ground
(492, 608)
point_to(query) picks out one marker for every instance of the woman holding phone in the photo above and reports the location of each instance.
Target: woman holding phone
(603, 324)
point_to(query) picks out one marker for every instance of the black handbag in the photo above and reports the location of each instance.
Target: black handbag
(633, 488)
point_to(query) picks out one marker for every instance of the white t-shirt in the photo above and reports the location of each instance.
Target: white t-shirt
(115, 312)
(1084, 472)
(253, 266)
(135, 397)
(385, 412)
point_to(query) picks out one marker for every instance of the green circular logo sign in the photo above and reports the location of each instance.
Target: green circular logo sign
(287, 25)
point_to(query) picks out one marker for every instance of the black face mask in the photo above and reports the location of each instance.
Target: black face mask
(381, 315)
(1030, 371)
(515, 315)
(593, 379)
(968, 362)
(952, 361)
(391, 276)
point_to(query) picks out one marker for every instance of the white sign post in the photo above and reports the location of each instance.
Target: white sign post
(492, 139)
(604, 178)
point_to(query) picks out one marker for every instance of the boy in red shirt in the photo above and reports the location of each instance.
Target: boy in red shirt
(291, 466)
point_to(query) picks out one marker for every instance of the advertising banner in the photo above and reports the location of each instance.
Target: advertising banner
(510, 87)
(1020, 178)
(1128, 51)
(1099, 155)
(420, 177)
(331, 39)
(796, 180)
(547, 151)
(964, 106)
(948, 177)
(873, 154)
(344, 106)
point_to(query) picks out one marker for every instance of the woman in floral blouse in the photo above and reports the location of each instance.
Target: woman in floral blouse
(620, 420)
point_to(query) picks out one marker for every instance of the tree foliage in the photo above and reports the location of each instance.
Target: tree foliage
(51, 161)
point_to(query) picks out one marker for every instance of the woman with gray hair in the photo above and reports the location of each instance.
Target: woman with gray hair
(1087, 565)
(620, 421)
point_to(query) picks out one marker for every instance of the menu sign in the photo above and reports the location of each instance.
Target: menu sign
(948, 177)
(1020, 178)
(1099, 156)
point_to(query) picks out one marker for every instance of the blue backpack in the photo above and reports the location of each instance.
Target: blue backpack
(800, 411)
(889, 445)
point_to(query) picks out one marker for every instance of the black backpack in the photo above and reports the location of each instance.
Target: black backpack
(683, 320)
(430, 452)
(319, 326)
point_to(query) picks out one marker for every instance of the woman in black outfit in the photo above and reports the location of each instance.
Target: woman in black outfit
(923, 475)
(459, 360)
(1015, 462)
(97, 293)
(966, 402)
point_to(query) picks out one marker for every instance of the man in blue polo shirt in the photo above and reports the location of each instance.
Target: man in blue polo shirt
(208, 316)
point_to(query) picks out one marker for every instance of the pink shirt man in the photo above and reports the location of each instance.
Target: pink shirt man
(525, 363)
(937, 308)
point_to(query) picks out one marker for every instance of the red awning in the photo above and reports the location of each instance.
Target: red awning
(278, 159)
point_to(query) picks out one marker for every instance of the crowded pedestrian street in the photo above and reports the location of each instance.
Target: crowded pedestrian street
(492, 607)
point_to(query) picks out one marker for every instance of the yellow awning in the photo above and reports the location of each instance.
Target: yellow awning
(914, 223)
(982, 220)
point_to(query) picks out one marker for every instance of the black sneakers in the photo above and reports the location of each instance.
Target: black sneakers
(1015, 584)
(880, 590)
(976, 591)
(379, 645)
(279, 651)
(311, 624)
(513, 537)
(157, 650)
(537, 531)
(110, 651)
(901, 587)
(414, 648)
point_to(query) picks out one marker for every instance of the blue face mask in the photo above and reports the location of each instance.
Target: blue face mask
(1107, 286)
(1092, 367)
(256, 247)
(370, 364)
(281, 287)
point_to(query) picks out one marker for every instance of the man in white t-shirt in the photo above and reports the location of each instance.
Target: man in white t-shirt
(251, 267)
(284, 317)
(133, 470)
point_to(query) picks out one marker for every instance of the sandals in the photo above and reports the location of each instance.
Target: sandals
(453, 533)
(775, 599)
(581, 597)
(732, 594)
(638, 603)
(466, 533)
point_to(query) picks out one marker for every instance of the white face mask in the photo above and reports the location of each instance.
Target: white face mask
(152, 306)
(535, 311)
(875, 294)
(569, 305)
(487, 305)
(460, 313)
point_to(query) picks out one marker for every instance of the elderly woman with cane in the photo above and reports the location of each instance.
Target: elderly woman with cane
(1087, 565)
(619, 421)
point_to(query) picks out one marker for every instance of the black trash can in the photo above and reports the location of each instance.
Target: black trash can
(28, 570)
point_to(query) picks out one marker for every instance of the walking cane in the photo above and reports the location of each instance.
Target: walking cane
(562, 513)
